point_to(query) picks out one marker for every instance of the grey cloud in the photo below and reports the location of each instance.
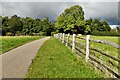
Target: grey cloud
(102, 10)
(0, 8)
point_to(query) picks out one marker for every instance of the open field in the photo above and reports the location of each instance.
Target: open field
(108, 38)
(54, 60)
(108, 49)
(10, 42)
(104, 47)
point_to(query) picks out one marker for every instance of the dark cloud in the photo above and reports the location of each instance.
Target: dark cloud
(119, 13)
(102, 10)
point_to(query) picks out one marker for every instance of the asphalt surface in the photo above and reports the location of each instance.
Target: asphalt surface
(15, 63)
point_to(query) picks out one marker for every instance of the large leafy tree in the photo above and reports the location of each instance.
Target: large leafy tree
(106, 26)
(15, 24)
(47, 26)
(5, 25)
(0, 25)
(71, 20)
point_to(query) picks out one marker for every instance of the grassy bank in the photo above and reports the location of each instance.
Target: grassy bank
(10, 42)
(54, 60)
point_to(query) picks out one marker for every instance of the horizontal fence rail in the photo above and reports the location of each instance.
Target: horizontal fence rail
(108, 63)
(104, 42)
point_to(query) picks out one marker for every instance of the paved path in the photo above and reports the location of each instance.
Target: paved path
(16, 62)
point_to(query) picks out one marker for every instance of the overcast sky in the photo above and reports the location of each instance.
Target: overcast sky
(101, 10)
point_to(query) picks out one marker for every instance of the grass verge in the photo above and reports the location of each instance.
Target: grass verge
(10, 42)
(54, 60)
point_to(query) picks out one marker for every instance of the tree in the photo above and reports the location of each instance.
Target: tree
(47, 26)
(118, 28)
(15, 24)
(69, 19)
(5, 25)
(106, 26)
(0, 25)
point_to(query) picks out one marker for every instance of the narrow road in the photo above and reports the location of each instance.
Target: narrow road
(16, 62)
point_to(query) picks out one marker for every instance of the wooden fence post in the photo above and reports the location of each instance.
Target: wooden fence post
(63, 37)
(67, 39)
(73, 43)
(87, 47)
(60, 36)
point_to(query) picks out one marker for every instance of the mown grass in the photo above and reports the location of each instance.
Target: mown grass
(108, 38)
(54, 60)
(10, 42)
(105, 48)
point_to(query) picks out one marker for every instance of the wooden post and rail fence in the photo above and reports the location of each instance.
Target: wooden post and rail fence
(101, 60)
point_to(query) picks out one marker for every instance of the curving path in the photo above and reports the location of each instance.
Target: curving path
(16, 62)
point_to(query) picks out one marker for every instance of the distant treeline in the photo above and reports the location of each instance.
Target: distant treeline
(26, 26)
(70, 21)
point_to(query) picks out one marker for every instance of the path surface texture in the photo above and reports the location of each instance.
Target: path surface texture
(16, 62)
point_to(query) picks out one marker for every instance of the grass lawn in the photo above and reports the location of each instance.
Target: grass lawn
(114, 39)
(10, 42)
(105, 48)
(54, 60)
(108, 38)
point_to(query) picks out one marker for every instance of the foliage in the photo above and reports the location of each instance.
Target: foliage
(105, 33)
(118, 28)
(9, 34)
(15, 24)
(26, 26)
(72, 21)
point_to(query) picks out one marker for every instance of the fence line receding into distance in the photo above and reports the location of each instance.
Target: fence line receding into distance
(100, 60)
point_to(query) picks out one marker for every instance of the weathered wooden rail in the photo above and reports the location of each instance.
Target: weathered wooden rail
(104, 42)
(108, 66)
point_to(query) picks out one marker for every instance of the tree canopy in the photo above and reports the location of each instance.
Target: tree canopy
(26, 26)
(72, 21)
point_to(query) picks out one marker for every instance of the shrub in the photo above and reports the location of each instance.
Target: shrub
(42, 34)
(18, 33)
(52, 33)
(9, 34)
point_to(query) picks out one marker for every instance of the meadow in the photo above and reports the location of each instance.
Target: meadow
(9, 42)
(104, 48)
(54, 60)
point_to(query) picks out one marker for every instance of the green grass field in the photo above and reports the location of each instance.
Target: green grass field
(105, 48)
(10, 42)
(54, 60)
(108, 38)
